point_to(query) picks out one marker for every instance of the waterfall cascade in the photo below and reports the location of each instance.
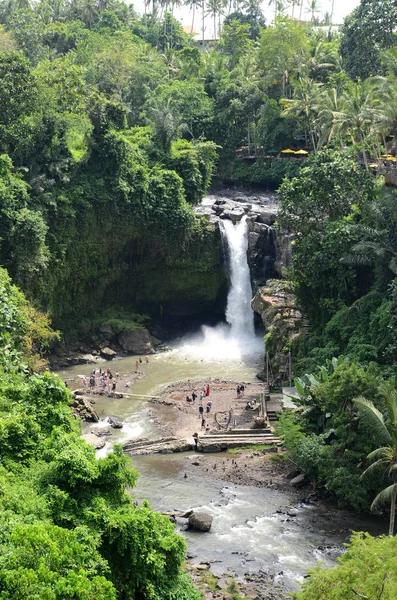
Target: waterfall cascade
(239, 314)
(236, 339)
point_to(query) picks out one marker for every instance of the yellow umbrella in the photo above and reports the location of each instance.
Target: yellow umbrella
(288, 151)
(373, 165)
(391, 158)
(301, 152)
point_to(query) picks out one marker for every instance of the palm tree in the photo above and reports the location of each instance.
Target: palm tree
(193, 4)
(378, 239)
(278, 7)
(313, 8)
(384, 424)
(215, 8)
(304, 104)
(362, 114)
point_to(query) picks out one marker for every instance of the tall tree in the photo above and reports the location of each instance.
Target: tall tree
(383, 423)
(367, 31)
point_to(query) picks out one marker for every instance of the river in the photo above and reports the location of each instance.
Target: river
(251, 529)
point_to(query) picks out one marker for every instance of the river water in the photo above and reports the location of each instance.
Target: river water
(248, 534)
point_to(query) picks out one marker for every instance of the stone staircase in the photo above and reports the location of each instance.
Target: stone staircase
(220, 441)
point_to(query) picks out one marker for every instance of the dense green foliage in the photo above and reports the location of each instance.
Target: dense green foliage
(69, 529)
(365, 570)
(111, 126)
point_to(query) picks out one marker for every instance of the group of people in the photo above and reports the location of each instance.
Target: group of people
(251, 405)
(240, 391)
(107, 381)
(139, 362)
(204, 393)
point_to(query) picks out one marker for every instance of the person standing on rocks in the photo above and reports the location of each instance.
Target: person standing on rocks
(203, 423)
(194, 396)
(137, 366)
(201, 411)
(207, 391)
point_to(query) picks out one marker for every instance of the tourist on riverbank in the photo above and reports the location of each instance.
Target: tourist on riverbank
(203, 423)
(147, 360)
(194, 396)
(208, 407)
(136, 366)
(201, 411)
(207, 391)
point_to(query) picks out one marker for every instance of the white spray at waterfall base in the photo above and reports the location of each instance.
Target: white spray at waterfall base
(236, 339)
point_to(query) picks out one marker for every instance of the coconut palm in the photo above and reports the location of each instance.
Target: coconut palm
(362, 114)
(313, 9)
(278, 7)
(384, 425)
(215, 8)
(304, 104)
(193, 5)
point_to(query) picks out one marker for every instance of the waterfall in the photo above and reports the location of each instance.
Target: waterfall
(235, 339)
(239, 314)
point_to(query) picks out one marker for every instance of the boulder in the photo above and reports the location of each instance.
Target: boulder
(200, 520)
(299, 480)
(108, 353)
(267, 218)
(136, 341)
(95, 441)
(115, 423)
(234, 215)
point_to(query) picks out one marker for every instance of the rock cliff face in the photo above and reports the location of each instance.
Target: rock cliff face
(275, 303)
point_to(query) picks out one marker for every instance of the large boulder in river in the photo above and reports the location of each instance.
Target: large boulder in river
(136, 340)
(200, 520)
(107, 353)
(235, 215)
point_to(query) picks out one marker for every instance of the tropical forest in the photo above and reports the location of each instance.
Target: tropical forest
(198, 300)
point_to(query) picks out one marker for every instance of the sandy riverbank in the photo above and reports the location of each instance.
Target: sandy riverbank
(223, 397)
(250, 467)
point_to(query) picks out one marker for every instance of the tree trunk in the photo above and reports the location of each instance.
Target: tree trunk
(393, 511)
(202, 22)
(364, 152)
(215, 25)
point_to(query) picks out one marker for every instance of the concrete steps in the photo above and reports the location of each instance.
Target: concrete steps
(236, 438)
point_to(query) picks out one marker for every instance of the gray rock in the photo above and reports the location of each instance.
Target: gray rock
(115, 423)
(267, 218)
(298, 481)
(234, 215)
(108, 353)
(137, 341)
(200, 520)
(95, 441)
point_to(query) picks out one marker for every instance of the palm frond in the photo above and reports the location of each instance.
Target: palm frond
(373, 418)
(385, 496)
(375, 467)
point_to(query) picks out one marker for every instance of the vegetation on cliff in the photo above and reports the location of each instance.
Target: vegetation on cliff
(112, 123)
(69, 529)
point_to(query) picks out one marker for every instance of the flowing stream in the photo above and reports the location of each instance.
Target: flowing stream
(251, 528)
